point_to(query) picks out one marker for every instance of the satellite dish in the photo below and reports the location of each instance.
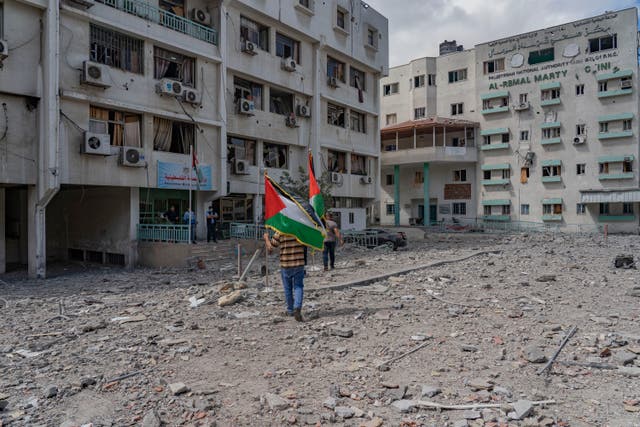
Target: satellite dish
(571, 50)
(517, 60)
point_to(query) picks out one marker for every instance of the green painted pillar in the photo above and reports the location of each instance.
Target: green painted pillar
(396, 193)
(425, 189)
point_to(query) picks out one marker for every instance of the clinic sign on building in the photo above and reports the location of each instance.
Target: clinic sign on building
(178, 176)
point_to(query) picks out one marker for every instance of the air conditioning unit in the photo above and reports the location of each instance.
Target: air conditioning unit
(249, 47)
(241, 167)
(169, 87)
(579, 139)
(96, 143)
(626, 84)
(94, 74)
(304, 111)
(132, 156)
(246, 107)
(332, 82)
(291, 122)
(366, 180)
(335, 177)
(201, 16)
(521, 107)
(288, 64)
(4, 49)
(83, 3)
(191, 96)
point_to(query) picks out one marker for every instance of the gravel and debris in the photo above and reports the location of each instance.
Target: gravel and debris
(106, 347)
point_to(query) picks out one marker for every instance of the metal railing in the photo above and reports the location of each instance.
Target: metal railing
(238, 230)
(368, 239)
(166, 19)
(483, 225)
(163, 233)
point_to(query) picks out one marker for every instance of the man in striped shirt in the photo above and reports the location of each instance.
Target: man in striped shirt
(291, 268)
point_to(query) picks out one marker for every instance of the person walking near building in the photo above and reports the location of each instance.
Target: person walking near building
(333, 236)
(190, 218)
(212, 222)
(291, 269)
(171, 215)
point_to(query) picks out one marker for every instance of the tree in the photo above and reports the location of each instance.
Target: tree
(300, 187)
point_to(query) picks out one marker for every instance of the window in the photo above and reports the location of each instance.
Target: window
(419, 113)
(523, 98)
(173, 6)
(123, 128)
(455, 142)
(524, 135)
(550, 94)
(305, 3)
(241, 149)
(336, 69)
(459, 208)
(391, 119)
(275, 156)
(604, 127)
(625, 82)
(256, 33)
(580, 129)
(390, 89)
(627, 208)
(581, 168)
(488, 139)
(603, 43)
(581, 208)
(487, 210)
(457, 75)
(280, 102)
(552, 170)
(116, 50)
(555, 209)
(173, 136)
(506, 173)
(173, 66)
(358, 164)
(524, 209)
(287, 47)
(352, 217)
(486, 174)
(524, 175)
(391, 208)
(542, 55)
(431, 79)
(341, 18)
(604, 209)
(504, 137)
(550, 133)
(390, 179)
(626, 124)
(357, 78)
(372, 37)
(579, 90)
(418, 177)
(506, 209)
(250, 91)
(603, 168)
(335, 115)
(627, 166)
(460, 175)
(358, 121)
(337, 161)
(602, 86)
(418, 81)
(493, 66)
(456, 109)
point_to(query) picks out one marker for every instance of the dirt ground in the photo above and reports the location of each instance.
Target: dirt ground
(104, 347)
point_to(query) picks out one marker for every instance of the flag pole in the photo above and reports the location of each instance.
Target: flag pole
(190, 179)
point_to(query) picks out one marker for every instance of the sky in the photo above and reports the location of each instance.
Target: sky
(416, 27)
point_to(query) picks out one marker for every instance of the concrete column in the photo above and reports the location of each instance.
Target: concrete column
(3, 221)
(222, 107)
(36, 235)
(396, 193)
(134, 219)
(415, 138)
(257, 208)
(425, 189)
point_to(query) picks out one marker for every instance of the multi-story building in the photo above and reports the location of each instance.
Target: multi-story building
(107, 105)
(556, 112)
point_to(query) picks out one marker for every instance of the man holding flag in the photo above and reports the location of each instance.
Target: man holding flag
(295, 227)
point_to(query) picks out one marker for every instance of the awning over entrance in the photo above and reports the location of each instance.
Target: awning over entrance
(610, 196)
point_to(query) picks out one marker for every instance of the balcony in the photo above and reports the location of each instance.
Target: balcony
(551, 141)
(552, 217)
(551, 179)
(164, 18)
(612, 176)
(616, 218)
(501, 109)
(617, 92)
(501, 181)
(499, 146)
(549, 102)
(615, 135)
(502, 218)
(430, 154)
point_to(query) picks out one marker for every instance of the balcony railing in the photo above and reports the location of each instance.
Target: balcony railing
(163, 233)
(166, 19)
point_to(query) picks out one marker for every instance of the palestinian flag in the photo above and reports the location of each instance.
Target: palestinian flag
(315, 197)
(287, 216)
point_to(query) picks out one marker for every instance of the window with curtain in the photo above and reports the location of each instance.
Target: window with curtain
(337, 161)
(171, 65)
(241, 149)
(286, 47)
(173, 136)
(245, 89)
(358, 164)
(336, 69)
(123, 128)
(256, 33)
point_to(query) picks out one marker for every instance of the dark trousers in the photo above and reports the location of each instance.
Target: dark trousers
(211, 232)
(329, 253)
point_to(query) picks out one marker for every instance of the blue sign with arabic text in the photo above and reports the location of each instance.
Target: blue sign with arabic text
(182, 177)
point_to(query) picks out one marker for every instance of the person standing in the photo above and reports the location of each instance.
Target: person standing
(333, 236)
(171, 215)
(190, 218)
(291, 269)
(212, 221)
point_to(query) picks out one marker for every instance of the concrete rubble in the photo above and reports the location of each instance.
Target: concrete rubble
(155, 347)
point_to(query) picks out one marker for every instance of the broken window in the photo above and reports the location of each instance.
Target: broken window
(627, 166)
(286, 47)
(173, 66)
(358, 164)
(357, 78)
(580, 129)
(337, 161)
(418, 81)
(173, 6)
(581, 208)
(280, 102)
(493, 66)
(336, 69)
(390, 89)
(372, 37)
(173, 136)
(255, 33)
(552, 209)
(275, 156)
(603, 168)
(603, 43)
(581, 168)
(546, 95)
(246, 90)
(542, 55)
(551, 170)
(358, 121)
(241, 149)
(524, 175)
(486, 174)
(391, 119)
(460, 175)
(123, 128)
(335, 115)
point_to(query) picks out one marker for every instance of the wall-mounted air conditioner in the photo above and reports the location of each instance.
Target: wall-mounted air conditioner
(201, 16)
(521, 106)
(191, 96)
(288, 64)
(132, 157)
(94, 74)
(335, 177)
(366, 180)
(579, 139)
(246, 107)
(291, 121)
(96, 143)
(304, 110)
(169, 87)
(241, 167)
(332, 82)
(4, 49)
(249, 47)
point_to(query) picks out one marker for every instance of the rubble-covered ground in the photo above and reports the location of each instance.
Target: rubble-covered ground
(153, 348)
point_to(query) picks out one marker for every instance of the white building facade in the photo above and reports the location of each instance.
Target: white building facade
(108, 104)
(557, 128)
